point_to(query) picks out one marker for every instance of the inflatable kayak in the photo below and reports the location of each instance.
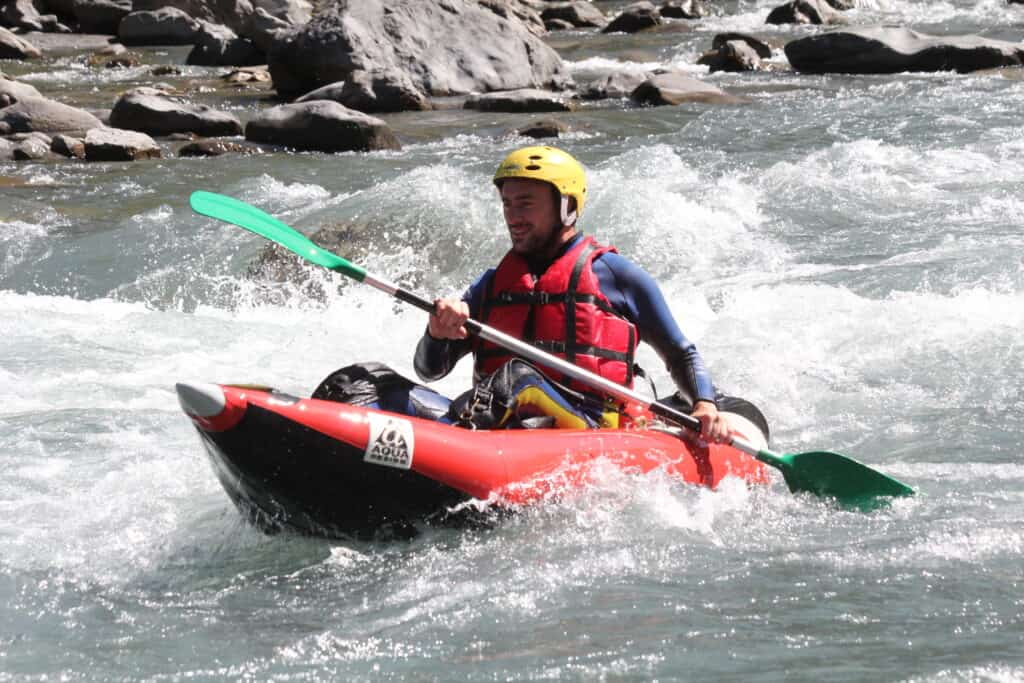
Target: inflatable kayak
(337, 470)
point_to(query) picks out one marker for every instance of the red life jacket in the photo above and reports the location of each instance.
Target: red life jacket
(562, 312)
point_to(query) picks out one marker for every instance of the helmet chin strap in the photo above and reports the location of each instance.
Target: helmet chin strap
(568, 218)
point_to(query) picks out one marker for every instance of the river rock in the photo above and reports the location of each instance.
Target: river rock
(13, 47)
(543, 128)
(684, 9)
(518, 101)
(165, 26)
(890, 49)
(157, 115)
(578, 14)
(6, 150)
(12, 91)
(321, 125)
(481, 52)
(636, 17)
(763, 49)
(518, 10)
(373, 93)
(291, 12)
(805, 12)
(731, 55)
(31, 149)
(235, 14)
(114, 144)
(264, 28)
(68, 146)
(675, 88)
(20, 14)
(30, 114)
(215, 148)
(101, 16)
(220, 46)
(248, 74)
(614, 85)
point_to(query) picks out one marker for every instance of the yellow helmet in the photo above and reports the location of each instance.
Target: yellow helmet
(551, 165)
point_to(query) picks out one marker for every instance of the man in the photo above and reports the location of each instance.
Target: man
(566, 294)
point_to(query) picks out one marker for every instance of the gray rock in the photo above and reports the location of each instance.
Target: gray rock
(543, 128)
(165, 26)
(518, 101)
(13, 47)
(31, 149)
(291, 12)
(805, 12)
(637, 17)
(763, 49)
(30, 114)
(675, 88)
(248, 74)
(558, 25)
(220, 46)
(321, 125)
(68, 146)
(235, 14)
(215, 148)
(6, 150)
(101, 16)
(516, 10)
(732, 55)
(114, 144)
(158, 115)
(884, 49)
(481, 50)
(576, 14)
(373, 93)
(12, 91)
(20, 14)
(684, 9)
(264, 28)
(615, 85)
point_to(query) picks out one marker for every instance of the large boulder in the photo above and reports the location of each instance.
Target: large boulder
(12, 91)
(157, 115)
(321, 125)
(517, 9)
(13, 47)
(220, 46)
(444, 48)
(885, 49)
(235, 14)
(165, 26)
(101, 16)
(31, 114)
(676, 88)
(113, 144)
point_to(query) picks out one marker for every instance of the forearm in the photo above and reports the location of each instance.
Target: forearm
(435, 358)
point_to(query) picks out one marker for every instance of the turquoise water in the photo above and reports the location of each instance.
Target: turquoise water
(846, 251)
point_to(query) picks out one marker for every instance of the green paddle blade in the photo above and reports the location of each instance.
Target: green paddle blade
(239, 213)
(836, 476)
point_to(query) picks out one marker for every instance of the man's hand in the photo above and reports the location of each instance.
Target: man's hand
(713, 427)
(448, 318)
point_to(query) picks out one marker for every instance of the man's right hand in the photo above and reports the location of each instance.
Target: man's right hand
(448, 319)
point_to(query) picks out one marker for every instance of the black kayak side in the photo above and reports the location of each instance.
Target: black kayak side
(296, 479)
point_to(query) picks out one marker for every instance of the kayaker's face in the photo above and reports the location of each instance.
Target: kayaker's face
(532, 214)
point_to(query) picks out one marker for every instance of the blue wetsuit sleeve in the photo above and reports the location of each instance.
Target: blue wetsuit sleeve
(635, 295)
(435, 358)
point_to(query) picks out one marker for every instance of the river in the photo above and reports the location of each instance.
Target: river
(847, 252)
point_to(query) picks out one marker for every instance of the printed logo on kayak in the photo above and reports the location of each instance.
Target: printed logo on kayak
(391, 442)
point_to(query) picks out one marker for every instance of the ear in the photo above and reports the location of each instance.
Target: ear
(568, 210)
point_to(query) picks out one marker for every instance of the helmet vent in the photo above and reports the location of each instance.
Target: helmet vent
(535, 157)
(533, 167)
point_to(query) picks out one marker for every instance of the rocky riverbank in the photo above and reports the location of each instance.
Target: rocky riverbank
(323, 77)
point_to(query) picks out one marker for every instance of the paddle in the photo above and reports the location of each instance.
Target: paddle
(819, 472)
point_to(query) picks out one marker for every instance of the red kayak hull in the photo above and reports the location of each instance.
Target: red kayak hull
(338, 470)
